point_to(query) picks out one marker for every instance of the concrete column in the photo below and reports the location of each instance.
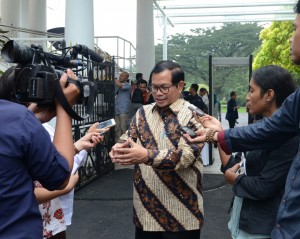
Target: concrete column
(79, 23)
(9, 17)
(33, 14)
(30, 14)
(165, 38)
(145, 53)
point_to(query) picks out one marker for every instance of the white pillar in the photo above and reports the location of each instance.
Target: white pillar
(29, 14)
(33, 15)
(79, 23)
(145, 53)
(10, 12)
(165, 37)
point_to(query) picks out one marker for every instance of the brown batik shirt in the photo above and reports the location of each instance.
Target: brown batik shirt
(167, 193)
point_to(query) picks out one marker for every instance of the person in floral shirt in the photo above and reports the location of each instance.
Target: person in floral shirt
(50, 205)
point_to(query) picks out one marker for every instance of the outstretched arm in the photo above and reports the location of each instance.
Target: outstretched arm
(63, 140)
(268, 133)
(43, 195)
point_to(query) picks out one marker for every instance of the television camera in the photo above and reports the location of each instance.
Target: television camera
(38, 72)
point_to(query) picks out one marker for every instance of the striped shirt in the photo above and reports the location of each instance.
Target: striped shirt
(167, 194)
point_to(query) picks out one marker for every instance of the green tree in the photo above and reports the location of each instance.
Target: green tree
(192, 51)
(275, 47)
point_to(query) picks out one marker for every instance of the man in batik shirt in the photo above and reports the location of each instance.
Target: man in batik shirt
(167, 194)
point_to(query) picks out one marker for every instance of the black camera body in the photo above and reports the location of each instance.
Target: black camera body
(37, 75)
(35, 83)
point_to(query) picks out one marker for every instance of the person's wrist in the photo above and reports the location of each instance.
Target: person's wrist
(61, 113)
(146, 156)
(219, 128)
(215, 136)
(76, 150)
(150, 158)
(210, 136)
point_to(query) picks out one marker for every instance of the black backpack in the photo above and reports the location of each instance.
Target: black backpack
(137, 96)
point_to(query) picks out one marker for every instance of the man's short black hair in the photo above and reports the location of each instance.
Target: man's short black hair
(177, 72)
(138, 76)
(142, 81)
(195, 86)
(232, 93)
(203, 90)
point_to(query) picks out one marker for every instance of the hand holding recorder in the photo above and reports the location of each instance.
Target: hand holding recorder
(187, 130)
(206, 120)
(196, 110)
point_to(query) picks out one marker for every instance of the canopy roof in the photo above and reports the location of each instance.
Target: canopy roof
(197, 12)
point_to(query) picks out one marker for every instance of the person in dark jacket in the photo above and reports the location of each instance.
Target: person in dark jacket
(232, 110)
(270, 133)
(196, 99)
(258, 191)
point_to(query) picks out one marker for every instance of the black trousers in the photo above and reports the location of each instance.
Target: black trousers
(231, 123)
(140, 234)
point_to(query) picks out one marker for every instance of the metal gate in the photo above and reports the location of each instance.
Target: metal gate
(98, 161)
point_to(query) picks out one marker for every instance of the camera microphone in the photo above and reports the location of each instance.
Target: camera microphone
(87, 53)
(77, 63)
(68, 62)
(65, 61)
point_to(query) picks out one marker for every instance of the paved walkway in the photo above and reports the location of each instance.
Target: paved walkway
(103, 209)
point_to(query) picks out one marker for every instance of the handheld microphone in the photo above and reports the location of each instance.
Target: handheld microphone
(197, 110)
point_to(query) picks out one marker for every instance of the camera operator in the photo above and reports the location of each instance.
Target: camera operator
(28, 154)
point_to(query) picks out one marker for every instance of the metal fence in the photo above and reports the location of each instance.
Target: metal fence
(98, 161)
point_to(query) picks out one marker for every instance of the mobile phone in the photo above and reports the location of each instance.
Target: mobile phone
(242, 169)
(106, 124)
(197, 110)
(187, 130)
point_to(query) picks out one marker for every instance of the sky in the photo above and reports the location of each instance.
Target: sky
(111, 18)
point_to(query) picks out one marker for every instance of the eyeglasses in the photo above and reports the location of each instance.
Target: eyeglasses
(163, 88)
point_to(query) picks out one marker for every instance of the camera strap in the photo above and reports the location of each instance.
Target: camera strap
(64, 102)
